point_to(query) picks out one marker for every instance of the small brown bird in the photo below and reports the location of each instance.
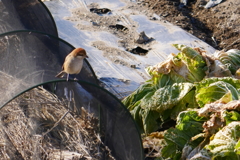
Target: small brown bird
(73, 62)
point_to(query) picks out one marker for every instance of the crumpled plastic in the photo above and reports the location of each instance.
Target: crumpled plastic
(212, 3)
(209, 4)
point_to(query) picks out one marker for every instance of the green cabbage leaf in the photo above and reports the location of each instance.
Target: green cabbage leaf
(231, 59)
(225, 144)
(189, 124)
(217, 89)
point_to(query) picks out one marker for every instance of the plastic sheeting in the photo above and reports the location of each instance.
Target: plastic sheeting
(121, 71)
(34, 55)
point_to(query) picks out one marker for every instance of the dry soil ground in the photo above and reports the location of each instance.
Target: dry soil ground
(217, 26)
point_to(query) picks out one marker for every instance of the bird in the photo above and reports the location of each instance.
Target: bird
(73, 63)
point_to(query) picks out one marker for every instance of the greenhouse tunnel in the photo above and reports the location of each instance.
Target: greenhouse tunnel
(26, 15)
(31, 54)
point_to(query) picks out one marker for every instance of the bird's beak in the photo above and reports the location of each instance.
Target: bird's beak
(86, 56)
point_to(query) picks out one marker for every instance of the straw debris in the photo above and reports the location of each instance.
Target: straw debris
(38, 125)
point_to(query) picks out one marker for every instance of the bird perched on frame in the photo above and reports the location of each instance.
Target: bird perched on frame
(73, 62)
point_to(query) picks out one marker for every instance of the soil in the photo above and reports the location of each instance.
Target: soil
(218, 26)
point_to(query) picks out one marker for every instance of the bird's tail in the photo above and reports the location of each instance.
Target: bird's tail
(60, 75)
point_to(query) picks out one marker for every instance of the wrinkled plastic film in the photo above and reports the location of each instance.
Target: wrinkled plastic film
(31, 54)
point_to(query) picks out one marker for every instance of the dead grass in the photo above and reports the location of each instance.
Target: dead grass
(38, 125)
